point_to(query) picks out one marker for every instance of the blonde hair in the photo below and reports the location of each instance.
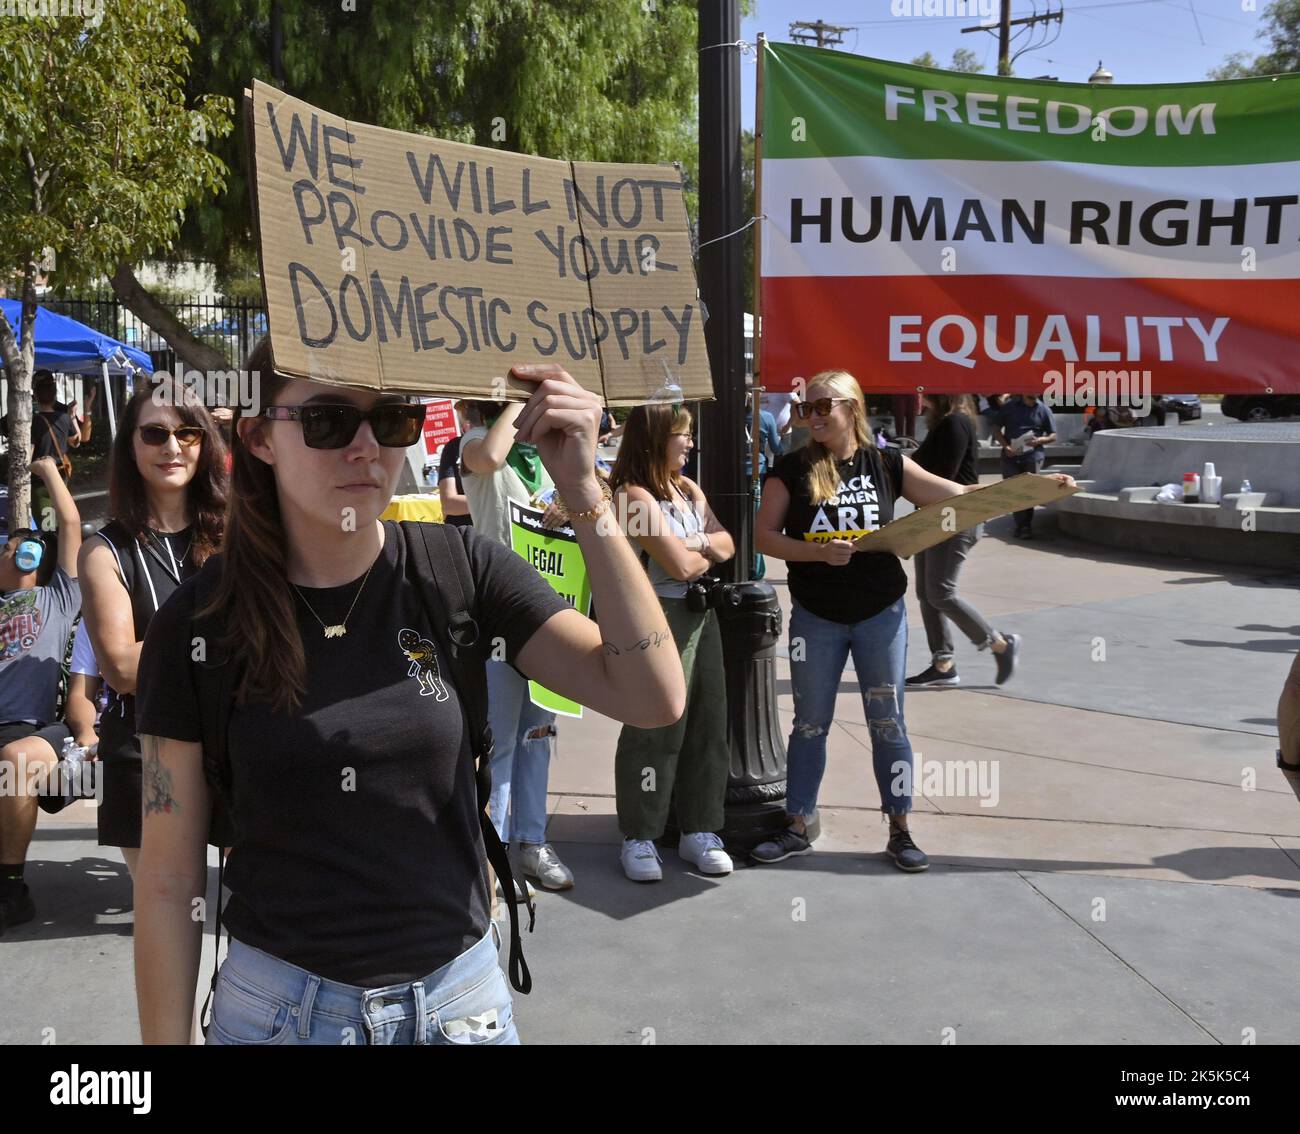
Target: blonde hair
(823, 474)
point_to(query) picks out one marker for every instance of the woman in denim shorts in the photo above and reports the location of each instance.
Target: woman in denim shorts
(359, 903)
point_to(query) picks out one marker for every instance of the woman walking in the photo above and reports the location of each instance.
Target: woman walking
(686, 760)
(359, 890)
(167, 500)
(950, 450)
(816, 503)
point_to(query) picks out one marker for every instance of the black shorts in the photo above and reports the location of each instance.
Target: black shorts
(53, 734)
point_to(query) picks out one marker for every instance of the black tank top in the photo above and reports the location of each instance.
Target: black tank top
(151, 569)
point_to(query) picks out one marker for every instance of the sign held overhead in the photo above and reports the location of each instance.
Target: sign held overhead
(397, 261)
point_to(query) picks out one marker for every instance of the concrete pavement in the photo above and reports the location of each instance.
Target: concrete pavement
(1136, 880)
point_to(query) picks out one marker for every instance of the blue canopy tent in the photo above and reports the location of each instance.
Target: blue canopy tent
(64, 345)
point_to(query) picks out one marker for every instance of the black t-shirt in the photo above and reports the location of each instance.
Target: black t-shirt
(870, 481)
(43, 445)
(359, 854)
(949, 450)
(449, 466)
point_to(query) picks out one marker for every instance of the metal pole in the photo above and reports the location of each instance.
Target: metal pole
(720, 271)
(751, 626)
(108, 398)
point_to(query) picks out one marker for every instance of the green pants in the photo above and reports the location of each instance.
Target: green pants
(691, 756)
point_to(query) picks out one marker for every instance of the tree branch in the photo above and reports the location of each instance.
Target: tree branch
(139, 301)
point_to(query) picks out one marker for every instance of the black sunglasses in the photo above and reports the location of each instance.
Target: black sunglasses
(395, 425)
(822, 406)
(156, 435)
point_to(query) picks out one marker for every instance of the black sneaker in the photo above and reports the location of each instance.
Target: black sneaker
(787, 844)
(931, 677)
(16, 907)
(1006, 660)
(905, 853)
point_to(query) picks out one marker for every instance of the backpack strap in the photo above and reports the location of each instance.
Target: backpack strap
(215, 678)
(439, 566)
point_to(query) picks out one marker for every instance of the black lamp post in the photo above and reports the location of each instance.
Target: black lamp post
(751, 628)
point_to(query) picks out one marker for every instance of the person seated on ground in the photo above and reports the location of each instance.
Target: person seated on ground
(35, 622)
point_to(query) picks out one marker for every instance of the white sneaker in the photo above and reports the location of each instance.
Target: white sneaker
(541, 862)
(703, 850)
(641, 860)
(519, 894)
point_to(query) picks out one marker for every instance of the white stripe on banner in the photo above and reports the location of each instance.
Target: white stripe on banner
(1192, 222)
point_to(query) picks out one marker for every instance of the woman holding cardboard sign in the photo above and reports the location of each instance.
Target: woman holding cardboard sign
(816, 502)
(340, 736)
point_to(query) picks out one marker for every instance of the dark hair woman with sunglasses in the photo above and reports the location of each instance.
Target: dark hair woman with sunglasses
(359, 908)
(167, 499)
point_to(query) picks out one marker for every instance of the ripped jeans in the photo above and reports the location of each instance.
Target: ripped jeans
(521, 756)
(818, 651)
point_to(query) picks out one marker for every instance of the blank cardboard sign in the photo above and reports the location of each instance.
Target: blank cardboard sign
(398, 261)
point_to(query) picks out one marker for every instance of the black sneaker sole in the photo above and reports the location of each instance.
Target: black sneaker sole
(934, 683)
(17, 915)
(906, 869)
(788, 854)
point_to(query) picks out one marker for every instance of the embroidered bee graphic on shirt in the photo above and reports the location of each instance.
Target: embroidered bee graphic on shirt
(424, 663)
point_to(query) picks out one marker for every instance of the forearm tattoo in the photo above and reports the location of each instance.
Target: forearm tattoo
(157, 780)
(654, 638)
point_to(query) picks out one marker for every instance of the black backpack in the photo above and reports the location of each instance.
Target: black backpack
(437, 563)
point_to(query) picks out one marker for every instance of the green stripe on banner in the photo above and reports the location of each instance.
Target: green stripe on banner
(821, 103)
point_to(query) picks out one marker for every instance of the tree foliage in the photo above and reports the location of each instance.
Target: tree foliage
(100, 154)
(1281, 27)
(593, 80)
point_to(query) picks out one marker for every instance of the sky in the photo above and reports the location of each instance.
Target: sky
(1139, 41)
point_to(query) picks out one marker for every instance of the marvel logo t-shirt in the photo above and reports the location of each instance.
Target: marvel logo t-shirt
(870, 481)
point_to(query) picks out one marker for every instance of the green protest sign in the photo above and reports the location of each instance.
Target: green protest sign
(558, 559)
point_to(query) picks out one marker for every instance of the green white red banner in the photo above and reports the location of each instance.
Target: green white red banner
(957, 232)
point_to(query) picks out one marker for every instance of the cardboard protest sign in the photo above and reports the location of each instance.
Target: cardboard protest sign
(935, 523)
(401, 262)
(555, 553)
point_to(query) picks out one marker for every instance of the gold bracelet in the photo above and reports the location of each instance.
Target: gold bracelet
(591, 513)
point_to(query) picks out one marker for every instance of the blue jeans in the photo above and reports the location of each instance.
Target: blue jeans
(264, 1001)
(521, 756)
(1031, 461)
(818, 651)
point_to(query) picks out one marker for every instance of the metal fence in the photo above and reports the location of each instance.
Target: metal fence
(232, 326)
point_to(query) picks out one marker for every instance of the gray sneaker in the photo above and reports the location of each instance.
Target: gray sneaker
(540, 861)
(787, 844)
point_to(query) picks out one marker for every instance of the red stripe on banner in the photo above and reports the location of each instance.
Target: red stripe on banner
(843, 322)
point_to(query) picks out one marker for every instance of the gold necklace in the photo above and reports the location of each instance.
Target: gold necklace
(341, 628)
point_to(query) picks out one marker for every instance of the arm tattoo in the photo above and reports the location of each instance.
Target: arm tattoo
(157, 780)
(655, 638)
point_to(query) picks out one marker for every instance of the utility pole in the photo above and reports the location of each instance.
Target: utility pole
(1006, 23)
(824, 34)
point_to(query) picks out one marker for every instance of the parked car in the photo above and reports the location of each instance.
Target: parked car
(1260, 407)
(1186, 406)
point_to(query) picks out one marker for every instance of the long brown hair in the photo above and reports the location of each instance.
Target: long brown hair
(823, 473)
(205, 495)
(941, 405)
(643, 453)
(253, 593)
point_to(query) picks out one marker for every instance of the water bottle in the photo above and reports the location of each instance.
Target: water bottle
(1245, 485)
(71, 761)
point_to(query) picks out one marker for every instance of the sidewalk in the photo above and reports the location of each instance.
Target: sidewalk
(1123, 889)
